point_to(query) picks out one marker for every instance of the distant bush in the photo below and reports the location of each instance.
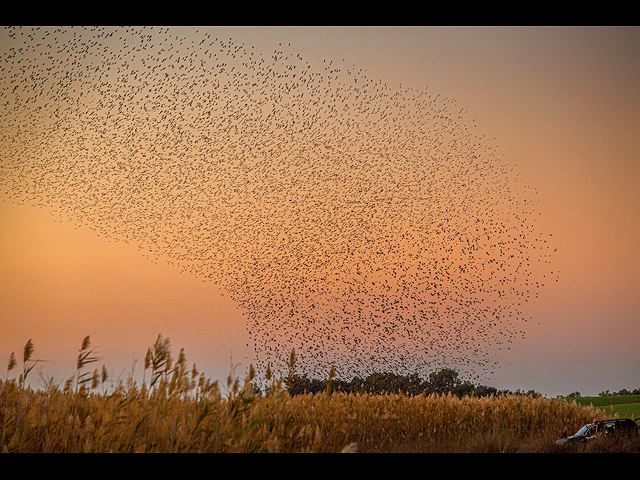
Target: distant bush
(624, 391)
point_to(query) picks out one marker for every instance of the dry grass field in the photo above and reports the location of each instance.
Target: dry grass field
(178, 410)
(167, 419)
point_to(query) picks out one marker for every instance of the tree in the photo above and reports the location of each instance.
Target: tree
(386, 382)
(443, 381)
(484, 391)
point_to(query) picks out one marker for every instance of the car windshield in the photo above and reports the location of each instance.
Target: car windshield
(583, 430)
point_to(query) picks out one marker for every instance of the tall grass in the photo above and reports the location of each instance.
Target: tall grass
(179, 410)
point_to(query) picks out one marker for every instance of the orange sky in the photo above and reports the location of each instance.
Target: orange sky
(562, 103)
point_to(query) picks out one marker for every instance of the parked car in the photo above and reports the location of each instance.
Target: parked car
(617, 427)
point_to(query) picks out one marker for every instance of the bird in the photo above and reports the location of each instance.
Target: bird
(364, 226)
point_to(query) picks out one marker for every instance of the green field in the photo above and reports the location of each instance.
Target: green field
(625, 406)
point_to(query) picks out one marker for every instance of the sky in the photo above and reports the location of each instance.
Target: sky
(558, 105)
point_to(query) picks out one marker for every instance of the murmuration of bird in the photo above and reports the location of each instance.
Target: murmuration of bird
(367, 227)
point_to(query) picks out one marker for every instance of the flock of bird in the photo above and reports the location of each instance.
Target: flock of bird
(367, 227)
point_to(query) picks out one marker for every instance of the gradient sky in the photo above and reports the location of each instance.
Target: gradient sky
(563, 104)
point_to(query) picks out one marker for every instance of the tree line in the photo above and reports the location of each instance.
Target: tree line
(607, 393)
(444, 381)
